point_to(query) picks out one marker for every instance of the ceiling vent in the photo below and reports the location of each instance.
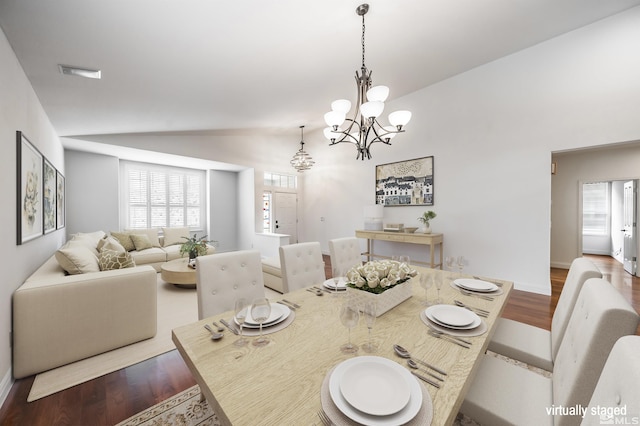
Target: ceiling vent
(80, 72)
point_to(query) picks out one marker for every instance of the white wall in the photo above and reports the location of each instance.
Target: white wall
(223, 190)
(19, 110)
(492, 131)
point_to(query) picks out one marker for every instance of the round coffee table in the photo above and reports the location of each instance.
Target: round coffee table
(179, 273)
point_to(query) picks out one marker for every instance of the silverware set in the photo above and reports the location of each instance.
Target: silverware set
(449, 338)
(470, 293)
(326, 421)
(403, 353)
(477, 311)
(290, 305)
(226, 324)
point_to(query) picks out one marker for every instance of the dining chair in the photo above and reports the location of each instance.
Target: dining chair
(345, 253)
(617, 388)
(302, 265)
(223, 278)
(504, 394)
(536, 346)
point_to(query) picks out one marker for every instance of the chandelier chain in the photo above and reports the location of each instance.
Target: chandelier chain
(363, 28)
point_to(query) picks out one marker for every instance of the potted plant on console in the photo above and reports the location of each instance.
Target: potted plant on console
(425, 218)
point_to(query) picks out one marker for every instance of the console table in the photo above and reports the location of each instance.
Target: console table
(431, 240)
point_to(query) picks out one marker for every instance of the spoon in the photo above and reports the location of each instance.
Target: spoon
(214, 335)
(411, 363)
(403, 353)
(220, 329)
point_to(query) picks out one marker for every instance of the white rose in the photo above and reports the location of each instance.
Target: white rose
(360, 282)
(373, 280)
(385, 282)
(353, 275)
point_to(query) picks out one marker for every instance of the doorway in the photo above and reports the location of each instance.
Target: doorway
(285, 214)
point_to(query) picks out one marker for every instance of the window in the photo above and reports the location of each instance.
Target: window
(595, 208)
(266, 212)
(155, 196)
(280, 180)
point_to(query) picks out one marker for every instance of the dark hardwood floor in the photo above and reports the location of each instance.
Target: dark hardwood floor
(112, 398)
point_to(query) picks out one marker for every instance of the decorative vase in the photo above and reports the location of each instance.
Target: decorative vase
(192, 255)
(426, 229)
(384, 301)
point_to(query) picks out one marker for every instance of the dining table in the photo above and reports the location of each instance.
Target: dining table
(281, 383)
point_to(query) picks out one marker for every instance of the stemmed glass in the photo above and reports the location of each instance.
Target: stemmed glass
(460, 261)
(438, 281)
(337, 273)
(426, 281)
(241, 308)
(448, 262)
(260, 311)
(349, 316)
(404, 259)
(369, 311)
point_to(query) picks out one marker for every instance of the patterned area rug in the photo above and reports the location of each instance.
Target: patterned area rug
(186, 409)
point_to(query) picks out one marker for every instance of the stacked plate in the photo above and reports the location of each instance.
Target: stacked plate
(452, 317)
(279, 313)
(477, 286)
(375, 391)
(331, 285)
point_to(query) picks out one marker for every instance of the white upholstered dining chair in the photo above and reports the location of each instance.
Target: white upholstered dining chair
(505, 394)
(223, 278)
(618, 387)
(302, 265)
(345, 253)
(536, 346)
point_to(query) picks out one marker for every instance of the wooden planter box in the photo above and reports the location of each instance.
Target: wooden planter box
(384, 301)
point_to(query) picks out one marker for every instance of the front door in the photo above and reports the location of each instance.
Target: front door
(629, 227)
(286, 215)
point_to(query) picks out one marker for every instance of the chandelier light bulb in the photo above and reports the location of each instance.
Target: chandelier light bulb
(341, 105)
(372, 109)
(334, 118)
(399, 119)
(378, 93)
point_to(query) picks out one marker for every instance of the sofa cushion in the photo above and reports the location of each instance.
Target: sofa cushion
(124, 238)
(89, 239)
(76, 258)
(174, 235)
(141, 241)
(150, 255)
(111, 259)
(151, 233)
(109, 242)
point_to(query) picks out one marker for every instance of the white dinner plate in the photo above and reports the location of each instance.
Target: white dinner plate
(279, 313)
(453, 316)
(342, 284)
(476, 285)
(401, 417)
(375, 388)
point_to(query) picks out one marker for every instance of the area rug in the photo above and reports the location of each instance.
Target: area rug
(176, 307)
(186, 409)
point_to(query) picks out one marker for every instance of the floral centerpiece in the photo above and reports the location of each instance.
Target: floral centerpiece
(381, 280)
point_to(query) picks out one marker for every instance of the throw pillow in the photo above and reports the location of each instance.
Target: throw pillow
(152, 233)
(124, 239)
(174, 235)
(111, 259)
(110, 243)
(76, 258)
(141, 241)
(89, 239)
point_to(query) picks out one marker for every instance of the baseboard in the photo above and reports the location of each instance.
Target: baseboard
(560, 265)
(531, 288)
(5, 386)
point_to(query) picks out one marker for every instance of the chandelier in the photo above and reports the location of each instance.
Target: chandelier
(363, 129)
(302, 161)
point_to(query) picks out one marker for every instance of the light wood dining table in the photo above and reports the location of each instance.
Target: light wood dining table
(280, 384)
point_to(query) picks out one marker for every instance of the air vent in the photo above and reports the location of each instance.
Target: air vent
(80, 72)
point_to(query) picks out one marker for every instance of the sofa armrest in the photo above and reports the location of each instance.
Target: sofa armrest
(62, 319)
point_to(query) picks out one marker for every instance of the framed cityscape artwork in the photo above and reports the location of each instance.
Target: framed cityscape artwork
(405, 183)
(29, 190)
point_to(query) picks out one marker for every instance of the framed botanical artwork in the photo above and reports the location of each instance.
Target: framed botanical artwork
(61, 209)
(29, 190)
(49, 196)
(405, 183)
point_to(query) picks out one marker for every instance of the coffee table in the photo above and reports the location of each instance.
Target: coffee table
(179, 273)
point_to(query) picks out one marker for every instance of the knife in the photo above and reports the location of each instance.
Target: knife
(286, 304)
(421, 377)
(291, 303)
(226, 324)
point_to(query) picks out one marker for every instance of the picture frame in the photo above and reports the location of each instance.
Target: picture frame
(49, 184)
(405, 183)
(29, 167)
(61, 206)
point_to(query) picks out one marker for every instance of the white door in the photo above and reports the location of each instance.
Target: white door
(629, 227)
(286, 215)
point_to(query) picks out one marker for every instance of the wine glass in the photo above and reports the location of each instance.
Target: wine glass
(405, 259)
(349, 316)
(438, 282)
(260, 311)
(448, 262)
(240, 313)
(369, 311)
(337, 273)
(426, 281)
(461, 261)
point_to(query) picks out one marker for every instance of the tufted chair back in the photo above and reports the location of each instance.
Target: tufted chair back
(223, 278)
(302, 265)
(580, 271)
(600, 317)
(345, 253)
(618, 388)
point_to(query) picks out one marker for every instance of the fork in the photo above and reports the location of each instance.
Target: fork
(326, 421)
(446, 337)
(492, 282)
(481, 296)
